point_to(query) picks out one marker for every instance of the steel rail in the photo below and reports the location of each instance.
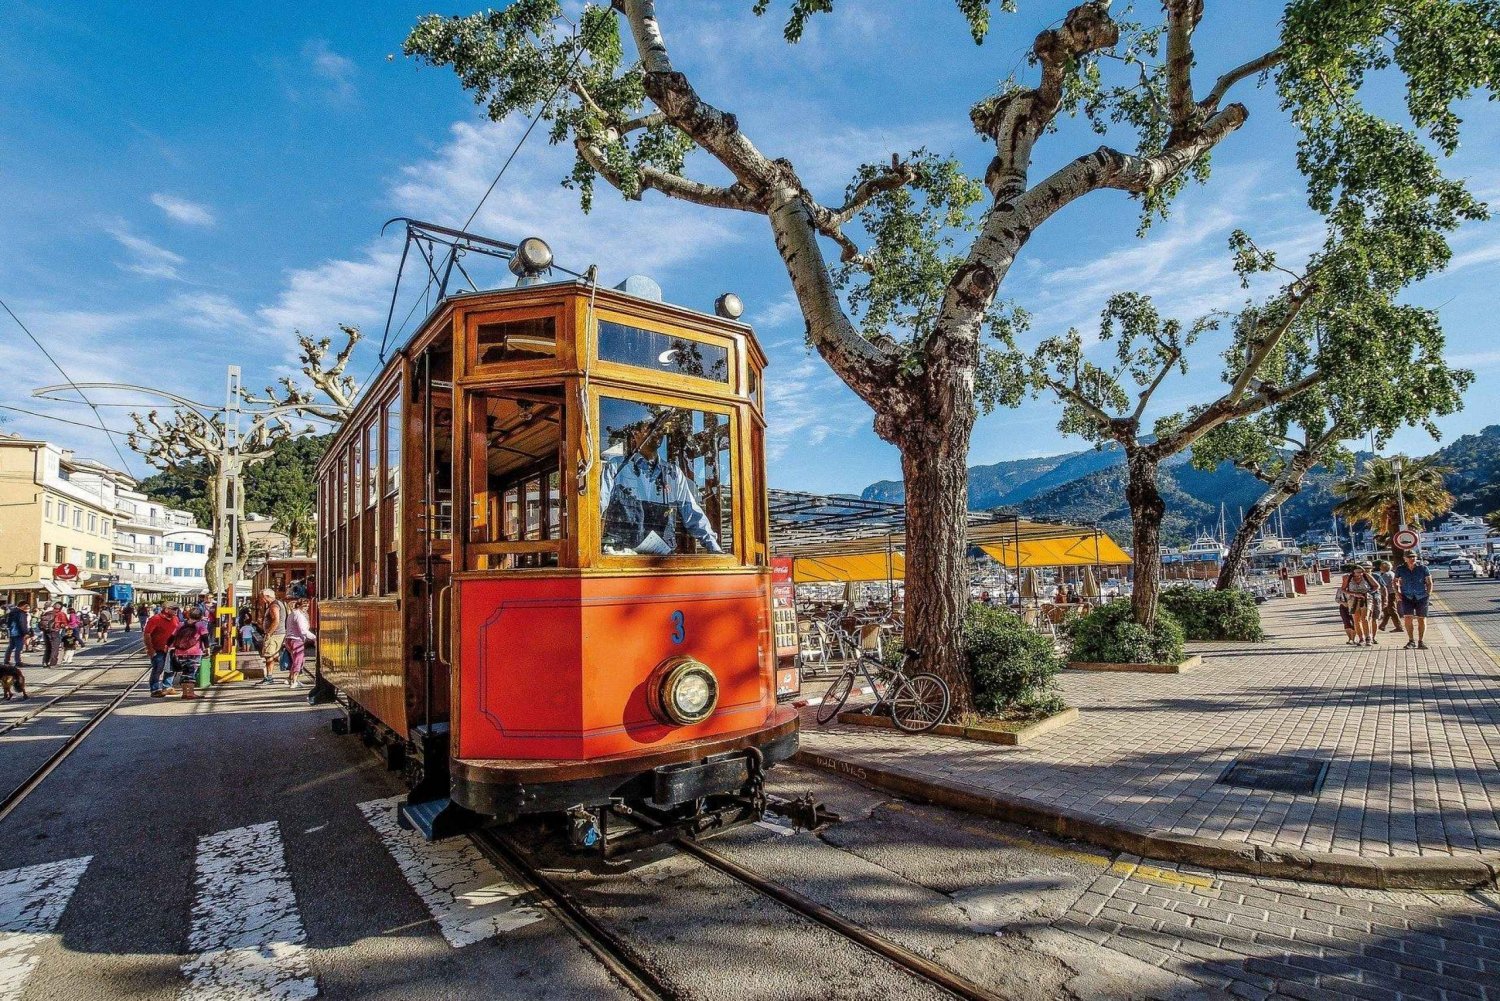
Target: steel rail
(607, 947)
(898, 955)
(36, 711)
(15, 797)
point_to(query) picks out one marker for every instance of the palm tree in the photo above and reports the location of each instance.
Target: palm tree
(294, 519)
(1370, 495)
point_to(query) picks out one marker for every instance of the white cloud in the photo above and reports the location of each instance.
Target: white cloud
(806, 405)
(210, 311)
(1474, 253)
(183, 211)
(146, 258)
(1474, 359)
(336, 72)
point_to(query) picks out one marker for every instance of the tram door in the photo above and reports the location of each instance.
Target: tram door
(431, 570)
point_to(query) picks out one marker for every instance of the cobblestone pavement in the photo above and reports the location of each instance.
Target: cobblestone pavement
(1408, 737)
(1259, 938)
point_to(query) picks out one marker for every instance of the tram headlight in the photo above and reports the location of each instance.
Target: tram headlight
(686, 692)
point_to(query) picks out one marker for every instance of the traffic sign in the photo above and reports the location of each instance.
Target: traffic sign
(1406, 539)
(65, 571)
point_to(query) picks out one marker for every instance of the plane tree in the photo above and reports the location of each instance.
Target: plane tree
(1396, 379)
(899, 277)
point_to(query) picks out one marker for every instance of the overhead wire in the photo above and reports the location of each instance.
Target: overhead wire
(64, 420)
(124, 463)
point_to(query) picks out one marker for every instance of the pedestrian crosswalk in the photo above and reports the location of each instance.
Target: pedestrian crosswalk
(32, 901)
(245, 939)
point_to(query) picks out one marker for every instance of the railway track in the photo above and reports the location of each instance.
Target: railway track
(622, 961)
(18, 794)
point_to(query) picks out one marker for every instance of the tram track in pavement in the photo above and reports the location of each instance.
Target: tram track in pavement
(71, 742)
(629, 966)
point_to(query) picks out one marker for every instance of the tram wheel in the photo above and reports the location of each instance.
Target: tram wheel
(919, 702)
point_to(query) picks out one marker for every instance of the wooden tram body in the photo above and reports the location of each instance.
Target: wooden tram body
(502, 602)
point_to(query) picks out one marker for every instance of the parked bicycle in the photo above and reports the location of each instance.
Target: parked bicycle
(917, 702)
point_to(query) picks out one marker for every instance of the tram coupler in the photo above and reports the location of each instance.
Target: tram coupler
(804, 811)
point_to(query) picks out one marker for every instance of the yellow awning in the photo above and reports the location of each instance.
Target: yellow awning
(1085, 549)
(848, 567)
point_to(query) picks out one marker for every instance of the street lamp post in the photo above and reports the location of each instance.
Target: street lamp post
(1400, 501)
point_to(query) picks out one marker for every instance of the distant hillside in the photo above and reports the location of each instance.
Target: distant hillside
(1475, 479)
(987, 484)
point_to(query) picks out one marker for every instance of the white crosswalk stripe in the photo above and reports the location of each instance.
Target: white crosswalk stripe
(32, 901)
(247, 937)
(466, 895)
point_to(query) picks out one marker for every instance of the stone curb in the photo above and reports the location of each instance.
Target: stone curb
(1181, 667)
(1453, 873)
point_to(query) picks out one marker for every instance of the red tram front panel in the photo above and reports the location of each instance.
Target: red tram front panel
(561, 667)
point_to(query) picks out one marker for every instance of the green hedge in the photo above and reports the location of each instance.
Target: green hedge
(1010, 664)
(1108, 634)
(1214, 615)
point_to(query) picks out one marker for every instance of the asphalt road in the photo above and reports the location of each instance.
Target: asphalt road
(1475, 603)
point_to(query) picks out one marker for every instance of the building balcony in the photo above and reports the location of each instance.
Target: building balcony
(127, 516)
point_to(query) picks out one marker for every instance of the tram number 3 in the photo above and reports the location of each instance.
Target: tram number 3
(679, 627)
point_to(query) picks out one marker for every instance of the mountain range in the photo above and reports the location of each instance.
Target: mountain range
(1089, 487)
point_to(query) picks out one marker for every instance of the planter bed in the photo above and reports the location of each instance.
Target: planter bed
(1182, 666)
(1011, 732)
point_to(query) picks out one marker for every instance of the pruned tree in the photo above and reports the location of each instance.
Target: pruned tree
(901, 310)
(1396, 379)
(328, 377)
(190, 444)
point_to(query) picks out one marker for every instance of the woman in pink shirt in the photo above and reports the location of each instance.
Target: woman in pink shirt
(298, 633)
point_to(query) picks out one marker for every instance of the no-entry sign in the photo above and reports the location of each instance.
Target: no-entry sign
(1406, 539)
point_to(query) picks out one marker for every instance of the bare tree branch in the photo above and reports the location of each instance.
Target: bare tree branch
(1259, 64)
(1182, 18)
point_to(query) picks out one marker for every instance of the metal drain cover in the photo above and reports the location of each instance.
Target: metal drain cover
(1276, 773)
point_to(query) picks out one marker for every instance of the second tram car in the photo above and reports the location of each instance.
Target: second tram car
(544, 570)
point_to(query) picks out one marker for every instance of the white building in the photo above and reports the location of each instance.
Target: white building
(186, 551)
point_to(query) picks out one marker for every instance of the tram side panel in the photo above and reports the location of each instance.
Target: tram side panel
(361, 647)
(566, 667)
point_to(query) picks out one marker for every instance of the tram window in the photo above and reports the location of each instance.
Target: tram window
(515, 340)
(665, 481)
(662, 352)
(517, 509)
(391, 544)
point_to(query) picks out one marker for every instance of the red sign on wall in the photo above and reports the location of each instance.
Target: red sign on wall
(65, 571)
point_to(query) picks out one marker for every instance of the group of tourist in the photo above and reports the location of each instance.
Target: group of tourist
(1370, 597)
(178, 641)
(57, 630)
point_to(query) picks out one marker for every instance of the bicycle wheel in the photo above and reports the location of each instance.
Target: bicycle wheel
(836, 696)
(919, 703)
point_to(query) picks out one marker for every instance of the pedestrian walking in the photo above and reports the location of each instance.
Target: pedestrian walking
(1353, 597)
(80, 619)
(1415, 583)
(54, 621)
(156, 637)
(1388, 612)
(273, 630)
(1376, 603)
(17, 629)
(298, 634)
(127, 616)
(101, 625)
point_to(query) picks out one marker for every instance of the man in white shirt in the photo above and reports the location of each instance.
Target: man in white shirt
(643, 497)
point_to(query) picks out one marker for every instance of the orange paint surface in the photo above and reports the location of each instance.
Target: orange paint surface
(558, 667)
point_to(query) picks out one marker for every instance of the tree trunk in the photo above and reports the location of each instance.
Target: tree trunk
(937, 586)
(1255, 519)
(1146, 512)
(1286, 486)
(931, 423)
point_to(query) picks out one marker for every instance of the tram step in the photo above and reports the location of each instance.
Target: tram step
(436, 819)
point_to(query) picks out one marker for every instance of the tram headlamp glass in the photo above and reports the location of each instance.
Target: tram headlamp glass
(687, 692)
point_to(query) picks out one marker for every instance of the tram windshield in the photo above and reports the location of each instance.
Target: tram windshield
(665, 480)
(519, 507)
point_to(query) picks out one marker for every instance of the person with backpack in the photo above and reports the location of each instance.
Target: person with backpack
(17, 628)
(127, 616)
(186, 649)
(53, 621)
(101, 625)
(156, 636)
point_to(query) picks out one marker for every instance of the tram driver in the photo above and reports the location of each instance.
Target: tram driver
(643, 496)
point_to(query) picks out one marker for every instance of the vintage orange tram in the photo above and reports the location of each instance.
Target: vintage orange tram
(544, 569)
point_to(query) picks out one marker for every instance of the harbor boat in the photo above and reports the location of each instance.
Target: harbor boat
(1205, 549)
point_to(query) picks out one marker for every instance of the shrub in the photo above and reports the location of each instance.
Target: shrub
(1109, 634)
(1010, 664)
(1206, 614)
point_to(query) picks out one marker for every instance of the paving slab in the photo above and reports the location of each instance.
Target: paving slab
(1409, 740)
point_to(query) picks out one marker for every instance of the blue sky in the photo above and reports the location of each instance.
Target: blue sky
(184, 188)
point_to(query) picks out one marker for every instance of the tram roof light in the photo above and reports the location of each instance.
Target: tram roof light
(729, 306)
(532, 257)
